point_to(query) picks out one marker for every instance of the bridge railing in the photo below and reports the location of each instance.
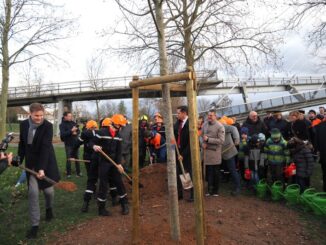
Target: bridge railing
(69, 87)
(271, 103)
(123, 82)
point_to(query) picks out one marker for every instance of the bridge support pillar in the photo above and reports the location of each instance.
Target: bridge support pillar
(292, 90)
(63, 105)
(244, 92)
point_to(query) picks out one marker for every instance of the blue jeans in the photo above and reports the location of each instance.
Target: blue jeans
(22, 178)
(234, 173)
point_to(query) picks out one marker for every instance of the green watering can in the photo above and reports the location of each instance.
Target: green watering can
(277, 190)
(261, 188)
(306, 197)
(292, 194)
(318, 203)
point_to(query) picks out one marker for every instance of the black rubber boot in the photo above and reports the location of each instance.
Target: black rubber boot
(124, 206)
(48, 214)
(102, 211)
(84, 208)
(32, 233)
(87, 198)
(114, 197)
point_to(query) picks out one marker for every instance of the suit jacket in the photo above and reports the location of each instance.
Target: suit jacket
(184, 143)
(40, 154)
(320, 139)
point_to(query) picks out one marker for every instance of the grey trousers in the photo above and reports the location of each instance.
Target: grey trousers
(33, 200)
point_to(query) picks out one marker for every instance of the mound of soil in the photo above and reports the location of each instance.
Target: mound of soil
(229, 220)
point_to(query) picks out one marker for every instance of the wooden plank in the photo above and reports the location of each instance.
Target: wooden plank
(158, 87)
(162, 79)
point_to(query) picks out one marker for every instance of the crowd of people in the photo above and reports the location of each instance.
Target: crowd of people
(257, 149)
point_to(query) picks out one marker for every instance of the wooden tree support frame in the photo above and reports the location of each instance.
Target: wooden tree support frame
(136, 84)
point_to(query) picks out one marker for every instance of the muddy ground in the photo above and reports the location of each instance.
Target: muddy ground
(230, 220)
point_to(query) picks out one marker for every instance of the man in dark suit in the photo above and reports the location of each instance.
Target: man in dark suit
(69, 132)
(36, 147)
(320, 142)
(181, 133)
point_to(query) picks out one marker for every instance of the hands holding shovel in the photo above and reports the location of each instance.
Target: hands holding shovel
(118, 166)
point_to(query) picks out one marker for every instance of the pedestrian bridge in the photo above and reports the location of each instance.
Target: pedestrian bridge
(302, 92)
(281, 103)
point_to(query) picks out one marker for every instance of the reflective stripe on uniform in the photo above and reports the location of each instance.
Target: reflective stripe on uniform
(123, 196)
(101, 200)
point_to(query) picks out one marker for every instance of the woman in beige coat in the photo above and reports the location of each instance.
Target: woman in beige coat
(213, 138)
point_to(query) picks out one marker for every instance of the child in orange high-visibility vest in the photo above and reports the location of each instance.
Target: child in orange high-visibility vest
(157, 146)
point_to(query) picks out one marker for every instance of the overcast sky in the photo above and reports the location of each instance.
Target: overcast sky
(96, 15)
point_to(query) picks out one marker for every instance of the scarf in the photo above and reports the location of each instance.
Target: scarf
(31, 131)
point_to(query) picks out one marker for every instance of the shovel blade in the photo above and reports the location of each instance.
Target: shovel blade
(186, 181)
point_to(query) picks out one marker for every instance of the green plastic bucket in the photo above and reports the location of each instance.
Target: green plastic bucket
(276, 190)
(306, 198)
(261, 188)
(318, 202)
(292, 194)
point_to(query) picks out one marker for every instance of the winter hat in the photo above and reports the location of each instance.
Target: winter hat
(244, 130)
(275, 133)
(312, 111)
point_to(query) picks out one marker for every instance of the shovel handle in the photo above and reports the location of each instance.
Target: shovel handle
(78, 160)
(114, 163)
(180, 161)
(47, 179)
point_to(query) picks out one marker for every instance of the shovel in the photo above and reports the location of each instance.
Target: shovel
(78, 160)
(116, 165)
(149, 155)
(184, 177)
(63, 185)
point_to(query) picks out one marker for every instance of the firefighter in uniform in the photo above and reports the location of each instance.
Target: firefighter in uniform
(92, 168)
(109, 141)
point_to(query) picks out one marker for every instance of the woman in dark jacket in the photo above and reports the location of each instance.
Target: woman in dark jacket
(304, 161)
(36, 147)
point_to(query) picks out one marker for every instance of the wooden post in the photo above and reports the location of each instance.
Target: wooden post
(195, 160)
(135, 166)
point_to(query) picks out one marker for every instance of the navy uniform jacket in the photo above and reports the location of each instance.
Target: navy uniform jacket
(110, 145)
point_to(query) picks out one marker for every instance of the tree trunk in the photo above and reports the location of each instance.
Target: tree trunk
(5, 69)
(171, 159)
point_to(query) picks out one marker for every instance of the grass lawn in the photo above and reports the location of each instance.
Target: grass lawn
(12, 127)
(14, 220)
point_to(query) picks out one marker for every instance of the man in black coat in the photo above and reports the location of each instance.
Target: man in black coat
(320, 140)
(35, 146)
(181, 133)
(254, 124)
(69, 132)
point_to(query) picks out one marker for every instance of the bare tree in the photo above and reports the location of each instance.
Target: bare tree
(95, 68)
(27, 27)
(108, 108)
(148, 107)
(32, 77)
(312, 12)
(80, 111)
(217, 33)
(204, 104)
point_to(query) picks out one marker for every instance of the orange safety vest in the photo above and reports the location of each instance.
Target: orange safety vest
(156, 141)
